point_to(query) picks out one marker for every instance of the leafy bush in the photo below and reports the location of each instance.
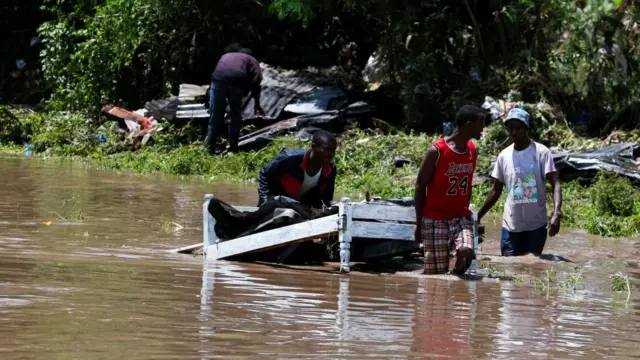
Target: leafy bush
(66, 133)
(18, 126)
(87, 65)
(613, 195)
(613, 226)
(131, 51)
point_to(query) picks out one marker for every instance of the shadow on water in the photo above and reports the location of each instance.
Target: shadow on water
(551, 257)
(102, 287)
(543, 257)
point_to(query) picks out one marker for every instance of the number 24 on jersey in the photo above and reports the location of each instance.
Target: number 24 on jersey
(458, 185)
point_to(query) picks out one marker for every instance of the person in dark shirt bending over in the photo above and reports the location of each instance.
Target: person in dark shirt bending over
(236, 74)
(308, 176)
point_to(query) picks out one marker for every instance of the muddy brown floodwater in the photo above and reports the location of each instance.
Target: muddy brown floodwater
(84, 275)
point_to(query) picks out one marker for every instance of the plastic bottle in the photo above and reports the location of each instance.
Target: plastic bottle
(102, 137)
(27, 150)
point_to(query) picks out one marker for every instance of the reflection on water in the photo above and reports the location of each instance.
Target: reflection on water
(103, 288)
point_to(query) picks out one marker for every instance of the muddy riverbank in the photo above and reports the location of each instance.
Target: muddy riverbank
(84, 274)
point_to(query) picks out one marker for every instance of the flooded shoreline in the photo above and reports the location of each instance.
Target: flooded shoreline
(100, 285)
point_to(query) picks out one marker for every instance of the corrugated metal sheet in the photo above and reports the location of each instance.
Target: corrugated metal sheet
(171, 108)
(321, 100)
(186, 96)
(192, 111)
(279, 88)
(189, 92)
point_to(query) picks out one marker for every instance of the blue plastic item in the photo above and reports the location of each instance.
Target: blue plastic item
(28, 150)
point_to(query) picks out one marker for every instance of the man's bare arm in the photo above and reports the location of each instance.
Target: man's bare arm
(554, 225)
(425, 174)
(492, 198)
(554, 180)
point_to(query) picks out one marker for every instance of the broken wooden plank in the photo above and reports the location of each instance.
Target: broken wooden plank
(125, 114)
(384, 213)
(385, 231)
(275, 238)
(187, 249)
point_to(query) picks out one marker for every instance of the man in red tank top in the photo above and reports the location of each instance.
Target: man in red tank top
(443, 192)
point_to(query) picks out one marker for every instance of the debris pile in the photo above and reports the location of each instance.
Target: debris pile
(141, 128)
(295, 102)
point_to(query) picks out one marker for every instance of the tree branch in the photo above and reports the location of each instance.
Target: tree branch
(475, 26)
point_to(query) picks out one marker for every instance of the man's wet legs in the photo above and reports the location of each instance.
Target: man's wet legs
(234, 95)
(217, 105)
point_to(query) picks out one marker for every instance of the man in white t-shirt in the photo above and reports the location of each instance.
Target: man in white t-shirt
(523, 168)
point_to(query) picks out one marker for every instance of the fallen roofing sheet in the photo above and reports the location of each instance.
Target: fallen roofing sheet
(618, 159)
(321, 100)
(164, 108)
(171, 108)
(334, 121)
(280, 87)
(190, 92)
(192, 111)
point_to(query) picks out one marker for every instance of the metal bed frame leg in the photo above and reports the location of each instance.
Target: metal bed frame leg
(208, 226)
(344, 224)
(476, 233)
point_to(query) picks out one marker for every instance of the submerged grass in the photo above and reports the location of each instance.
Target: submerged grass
(620, 282)
(170, 226)
(70, 210)
(572, 282)
(566, 284)
(545, 284)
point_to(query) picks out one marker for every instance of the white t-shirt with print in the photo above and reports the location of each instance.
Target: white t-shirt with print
(523, 173)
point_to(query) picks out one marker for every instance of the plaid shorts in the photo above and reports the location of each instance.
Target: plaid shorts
(442, 239)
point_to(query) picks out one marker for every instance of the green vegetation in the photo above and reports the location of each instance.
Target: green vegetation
(500, 274)
(365, 159)
(170, 226)
(620, 283)
(578, 55)
(572, 282)
(550, 282)
(70, 210)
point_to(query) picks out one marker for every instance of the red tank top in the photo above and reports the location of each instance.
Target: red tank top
(449, 192)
